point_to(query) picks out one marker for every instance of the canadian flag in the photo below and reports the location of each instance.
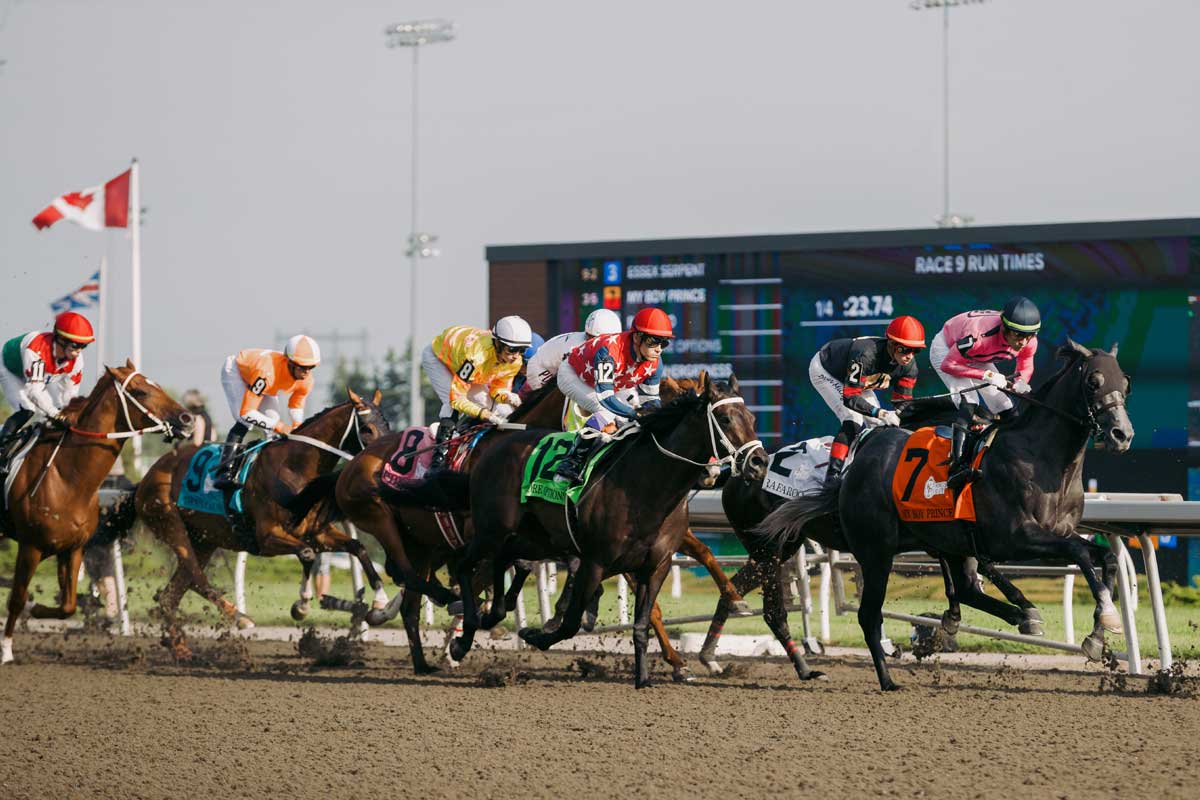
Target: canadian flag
(97, 208)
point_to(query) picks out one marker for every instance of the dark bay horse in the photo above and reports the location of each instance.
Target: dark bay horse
(622, 523)
(53, 505)
(1028, 502)
(276, 478)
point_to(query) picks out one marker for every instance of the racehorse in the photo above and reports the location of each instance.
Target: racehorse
(409, 531)
(1028, 501)
(53, 505)
(629, 520)
(280, 473)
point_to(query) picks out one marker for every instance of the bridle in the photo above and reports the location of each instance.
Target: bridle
(126, 398)
(1093, 405)
(736, 457)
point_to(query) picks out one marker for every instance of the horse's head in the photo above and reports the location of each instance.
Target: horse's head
(728, 410)
(371, 423)
(1104, 387)
(144, 406)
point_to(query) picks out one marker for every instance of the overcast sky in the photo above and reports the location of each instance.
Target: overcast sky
(274, 141)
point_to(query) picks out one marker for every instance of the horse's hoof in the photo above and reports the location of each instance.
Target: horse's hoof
(890, 686)
(709, 660)
(551, 625)
(950, 623)
(244, 623)
(425, 669)
(455, 609)
(683, 675)
(375, 617)
(588, 623)
(1092, 647)
(814, 675)
(1111, 622)
(1031, 627)
(457, 650)
(299, 610)
(646, 684)
(739, 608)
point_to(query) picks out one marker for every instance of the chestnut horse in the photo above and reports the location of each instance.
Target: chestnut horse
(53, 505)
(275, 479)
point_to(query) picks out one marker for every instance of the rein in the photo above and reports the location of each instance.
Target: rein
(735, 456)
(351, 424)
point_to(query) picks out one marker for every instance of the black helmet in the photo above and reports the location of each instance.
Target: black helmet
(1020, 314)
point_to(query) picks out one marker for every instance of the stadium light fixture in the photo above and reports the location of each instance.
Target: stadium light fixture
(946, 219)
(414, 35)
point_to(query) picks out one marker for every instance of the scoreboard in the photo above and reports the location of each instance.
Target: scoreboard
(760, 307)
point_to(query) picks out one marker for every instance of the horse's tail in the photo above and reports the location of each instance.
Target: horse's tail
(318, 489)
(786, 523)
(443, 489)
(116, 520)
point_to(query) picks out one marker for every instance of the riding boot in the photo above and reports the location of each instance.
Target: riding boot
(570, 469)
(444, 431)
(225, 477)
(961, 471)
(839, 448)
(834, 470)
(8, 433)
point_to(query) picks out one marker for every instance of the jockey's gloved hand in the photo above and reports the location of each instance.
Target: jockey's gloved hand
(509, 398)
(1020, 386)
(887, 417)
(995, 379)
(58, 420)
(492, 417)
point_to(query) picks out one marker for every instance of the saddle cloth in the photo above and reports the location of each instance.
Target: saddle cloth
(410, 461)
(919, 484)
(197, 492)
(538, 479)
(799, 468)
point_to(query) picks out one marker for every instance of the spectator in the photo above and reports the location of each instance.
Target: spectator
(203, 431)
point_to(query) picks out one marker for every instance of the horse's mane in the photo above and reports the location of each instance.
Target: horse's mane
(670, 415)
(323, 412)
(533, 399)
(1069, 357)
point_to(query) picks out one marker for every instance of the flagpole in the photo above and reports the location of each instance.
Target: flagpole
(102, 325)
(135, 228)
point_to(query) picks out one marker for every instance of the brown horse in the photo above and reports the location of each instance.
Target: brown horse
(416, 548)
(623, 523)
(277, 477)
(53, 505)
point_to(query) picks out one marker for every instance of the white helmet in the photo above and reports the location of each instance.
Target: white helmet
(302, 350)
(513, 332)
(602, 321)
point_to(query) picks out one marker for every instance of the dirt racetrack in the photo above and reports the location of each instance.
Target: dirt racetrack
(115, 718)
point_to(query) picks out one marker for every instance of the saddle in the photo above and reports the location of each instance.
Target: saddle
(411, 459)
(13, 454)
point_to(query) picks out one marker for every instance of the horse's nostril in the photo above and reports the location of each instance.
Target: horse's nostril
(1118, 434)
(185, 418)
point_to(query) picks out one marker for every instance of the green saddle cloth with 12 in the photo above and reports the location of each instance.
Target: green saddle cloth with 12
(538, 480)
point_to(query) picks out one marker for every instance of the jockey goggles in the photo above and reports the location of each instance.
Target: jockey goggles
(651, 340)
(67, 344)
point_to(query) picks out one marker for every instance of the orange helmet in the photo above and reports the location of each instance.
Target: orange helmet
(653, 321)
(74, 328)
(907, 331)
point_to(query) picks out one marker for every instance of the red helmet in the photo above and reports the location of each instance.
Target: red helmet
(653, 321)
(74, 328)
(907, 331)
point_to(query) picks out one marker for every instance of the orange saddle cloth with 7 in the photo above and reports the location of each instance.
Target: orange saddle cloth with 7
(919, 483)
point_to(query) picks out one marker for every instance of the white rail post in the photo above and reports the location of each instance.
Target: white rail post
(823, 592)
(1154, 587)
(428, 605)
(1068, 601)
(622, 600)
(676, 582)
(239, 582)
(122, 598)
(545, 611)
(356, 572)
(552, 577)
(1127, 618)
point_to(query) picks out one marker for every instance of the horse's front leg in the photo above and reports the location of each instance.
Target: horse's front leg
(645, 596)
(28, 558)
(300, 608)
(692, 546)
(68, 578)
(1031, 623)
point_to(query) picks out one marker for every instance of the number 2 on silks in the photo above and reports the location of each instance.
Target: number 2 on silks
(921, 455)
(545, 468)
(782, 454)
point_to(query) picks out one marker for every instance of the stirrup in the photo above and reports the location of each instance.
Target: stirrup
(962, 477)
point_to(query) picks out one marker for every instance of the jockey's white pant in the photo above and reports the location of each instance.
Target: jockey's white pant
(830, 389)
(235, 389)
(989, 397)
(18, 397)
(441, 379)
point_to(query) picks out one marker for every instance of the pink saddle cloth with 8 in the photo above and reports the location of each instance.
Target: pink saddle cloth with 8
(411, 459)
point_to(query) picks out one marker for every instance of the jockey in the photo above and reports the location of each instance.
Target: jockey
(964, 355)
(42, 372)
(546, 361)
(470, 367)
(535, 342)
(846, 373)
(596, 373)
(253, 379)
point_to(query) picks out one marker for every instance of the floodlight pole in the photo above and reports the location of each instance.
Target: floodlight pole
(414, 34)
